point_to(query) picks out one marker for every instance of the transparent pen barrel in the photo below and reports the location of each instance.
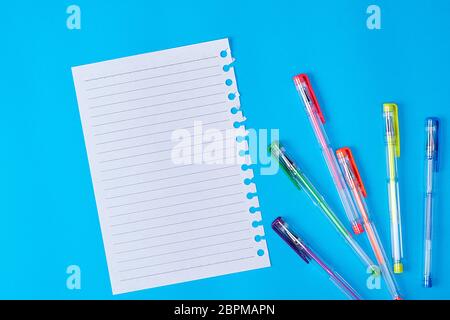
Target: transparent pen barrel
(376, 245)
(333, 167)
(428, 223)
(371, 231)
(394, 203)
(335, 277)
(382, 260)
(344, 287)
(361, 253)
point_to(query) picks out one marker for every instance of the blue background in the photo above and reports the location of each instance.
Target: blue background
(48, 217)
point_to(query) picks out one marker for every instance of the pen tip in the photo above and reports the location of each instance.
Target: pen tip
(427, 283)
(358, 228)
(398, 267)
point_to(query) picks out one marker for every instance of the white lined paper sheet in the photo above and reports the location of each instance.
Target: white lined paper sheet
(164, 222)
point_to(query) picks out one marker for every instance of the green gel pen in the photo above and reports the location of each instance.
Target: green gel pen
(302, 182)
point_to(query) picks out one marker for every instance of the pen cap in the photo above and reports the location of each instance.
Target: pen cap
(279, 153)
(289, 236)
(392, 129)
(432, 140)
(351, 173)
(306, 91)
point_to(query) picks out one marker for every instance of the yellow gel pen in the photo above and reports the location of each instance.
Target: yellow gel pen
(392, 139)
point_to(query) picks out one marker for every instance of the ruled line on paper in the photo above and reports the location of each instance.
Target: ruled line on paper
(171, 177)
(186, 250)
(158, 114)
(186, 240)
(152, 87)
(178, 194)
(161, 160)
(175, 214)
(159, 132)
(134, 146)
(135, 155)
(171, 167)
(164, 122)
(144, 173)
(189, 268)
(146, 144)
(149, 68)
(183, 260)
(226, 141)
(171, 196)
(156, 95)
(174, 224)
(151, 78)
(177, 204)
(156, 105)
(159, 123)
(179, 232)
(172, 186)
(139, 164)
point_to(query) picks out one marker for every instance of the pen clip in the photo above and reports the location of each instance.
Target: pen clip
(282, 229)
(303, 80)
(346, 152)
(392, 107)
(286, 164)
